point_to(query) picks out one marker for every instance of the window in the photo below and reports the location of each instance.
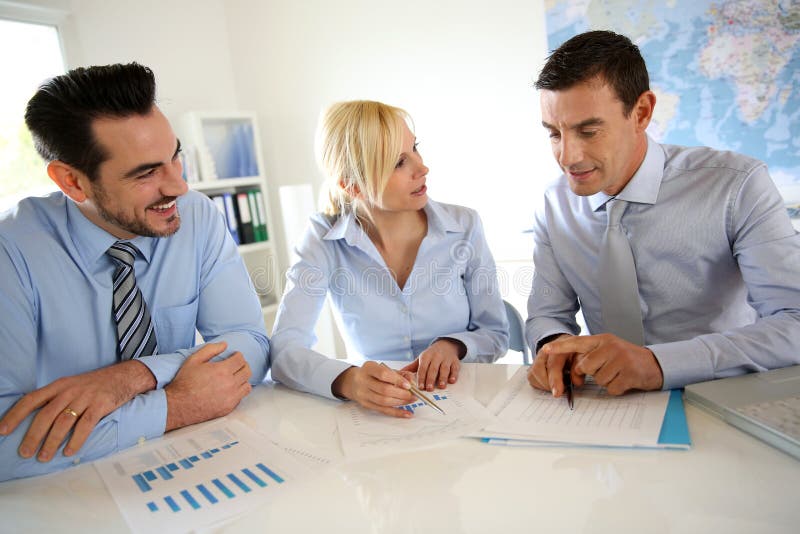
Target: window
(37, 56)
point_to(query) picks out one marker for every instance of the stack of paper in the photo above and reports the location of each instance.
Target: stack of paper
(526, 416)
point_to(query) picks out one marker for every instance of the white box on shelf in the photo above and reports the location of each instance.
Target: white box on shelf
(228, 144)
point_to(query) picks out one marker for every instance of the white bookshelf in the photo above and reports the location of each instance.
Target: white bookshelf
(225, 148)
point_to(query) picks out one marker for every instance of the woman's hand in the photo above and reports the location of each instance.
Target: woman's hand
(376, 387)
(438, 365)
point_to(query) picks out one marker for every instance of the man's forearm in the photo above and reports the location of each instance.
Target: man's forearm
(136, 378)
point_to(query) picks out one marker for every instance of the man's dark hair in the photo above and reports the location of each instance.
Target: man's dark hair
(598, 53)
(61, 112)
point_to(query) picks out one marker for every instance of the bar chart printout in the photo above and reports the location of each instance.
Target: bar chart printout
(196, 479)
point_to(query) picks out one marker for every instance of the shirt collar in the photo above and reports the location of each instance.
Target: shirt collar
(92, 241)
(345, 226)
(643, 187)
(439, 222)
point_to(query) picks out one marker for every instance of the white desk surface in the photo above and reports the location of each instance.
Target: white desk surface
(728, 482)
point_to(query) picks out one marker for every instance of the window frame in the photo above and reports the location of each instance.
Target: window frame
(42, 15)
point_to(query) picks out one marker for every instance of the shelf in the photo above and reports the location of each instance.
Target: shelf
(226, 184)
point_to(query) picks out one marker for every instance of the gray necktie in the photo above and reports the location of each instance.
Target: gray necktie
(135, 334)
(619, 290)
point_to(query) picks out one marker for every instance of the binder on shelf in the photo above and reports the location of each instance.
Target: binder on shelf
(258, 226)
(246, 233)
(230, 217)
(262, 214)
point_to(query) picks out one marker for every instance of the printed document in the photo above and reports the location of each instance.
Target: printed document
(525, 413)
(365, 433)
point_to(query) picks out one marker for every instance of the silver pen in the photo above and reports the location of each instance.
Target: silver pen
(420, 395)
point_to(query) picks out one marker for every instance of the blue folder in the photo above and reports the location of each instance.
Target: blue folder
(674, 430)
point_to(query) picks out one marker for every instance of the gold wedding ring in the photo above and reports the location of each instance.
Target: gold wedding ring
(70, 411)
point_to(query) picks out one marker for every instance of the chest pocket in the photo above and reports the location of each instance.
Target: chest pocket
(175, 327)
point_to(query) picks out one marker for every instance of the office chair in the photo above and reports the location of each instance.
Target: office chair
(516, 333)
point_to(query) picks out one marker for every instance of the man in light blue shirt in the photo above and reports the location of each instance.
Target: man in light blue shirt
(717, 261)
(66, 392)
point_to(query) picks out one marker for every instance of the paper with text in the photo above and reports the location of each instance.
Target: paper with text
(633, 419)
(366, 433)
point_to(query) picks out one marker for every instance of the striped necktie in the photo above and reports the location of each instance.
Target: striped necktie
(619, 289)
(136, 336)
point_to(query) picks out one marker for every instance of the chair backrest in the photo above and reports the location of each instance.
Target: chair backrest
(516, 332)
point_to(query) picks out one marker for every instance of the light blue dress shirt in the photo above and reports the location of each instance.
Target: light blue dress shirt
(451, 292)
(717, 262)
(55, 312)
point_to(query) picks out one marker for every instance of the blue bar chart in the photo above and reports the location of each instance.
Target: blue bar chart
(197, 479)
(412, 407)
(145, 479)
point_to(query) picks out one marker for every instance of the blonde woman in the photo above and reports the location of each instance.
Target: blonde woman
(411, 279)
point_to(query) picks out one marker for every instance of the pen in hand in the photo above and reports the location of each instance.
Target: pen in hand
(568, 387)
(420, 395)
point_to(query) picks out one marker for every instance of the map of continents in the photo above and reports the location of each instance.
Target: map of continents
(726, 74)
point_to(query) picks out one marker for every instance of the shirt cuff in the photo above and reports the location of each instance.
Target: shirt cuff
(163, 366)
(543, 327)
(471, 356)
(144, 417)
(683, 362)
(545, 339)
(464, 339)
(324, 375)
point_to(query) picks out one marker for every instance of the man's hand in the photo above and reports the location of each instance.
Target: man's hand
(74, 403)
(614, 363)
(376, 387)
(547, 372)
(204, 390)
(438, 365)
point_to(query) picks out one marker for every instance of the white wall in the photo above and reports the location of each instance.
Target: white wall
(185, 42)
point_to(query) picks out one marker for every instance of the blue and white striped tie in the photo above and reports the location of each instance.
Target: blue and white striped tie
(136, 336)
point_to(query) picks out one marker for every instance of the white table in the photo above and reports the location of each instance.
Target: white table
(728, 482)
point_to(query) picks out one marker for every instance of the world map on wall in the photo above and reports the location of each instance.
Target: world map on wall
(726, 74)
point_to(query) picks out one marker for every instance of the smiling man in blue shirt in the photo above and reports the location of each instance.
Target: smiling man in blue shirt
(76, 382)
(716, 287)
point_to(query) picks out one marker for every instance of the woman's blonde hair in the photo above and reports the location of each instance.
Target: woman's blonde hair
(358, 145)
